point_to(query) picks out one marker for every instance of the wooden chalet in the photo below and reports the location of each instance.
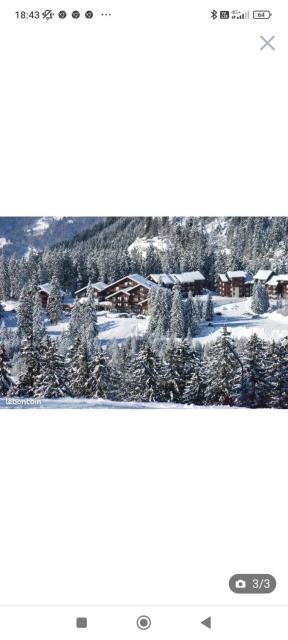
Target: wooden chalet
(189, 281)
(235, 284)
(224, 285)
(263, 276)
(277, 286)
(44, 293)
(128, 294)
(97, 289)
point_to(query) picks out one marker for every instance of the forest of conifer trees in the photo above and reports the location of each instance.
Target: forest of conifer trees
(167, 364)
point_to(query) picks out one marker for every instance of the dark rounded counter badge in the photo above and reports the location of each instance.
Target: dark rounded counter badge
(252, 583)
(75, 14)
(89, 15)
(62, 14)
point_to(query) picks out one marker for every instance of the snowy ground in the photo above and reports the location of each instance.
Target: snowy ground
(111, 327)
(235, 313)
(84, 403)
(87, 403)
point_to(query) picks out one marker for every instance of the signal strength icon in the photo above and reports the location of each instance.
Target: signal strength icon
(241, 16)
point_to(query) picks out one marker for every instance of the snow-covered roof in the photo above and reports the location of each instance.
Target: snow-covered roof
(140, 279)
(133, 276)
(135, 286)
(96, 285)
(165, 278)
(46, 288)
(116, 293)
(223, 277)
(142, 301)
(237, 274)
(99, 285)
(282, 277)
(188, 276)
(176, 278)
(263, 274)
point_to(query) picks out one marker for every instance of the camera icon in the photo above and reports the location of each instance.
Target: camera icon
(240, 584)
(143, 622)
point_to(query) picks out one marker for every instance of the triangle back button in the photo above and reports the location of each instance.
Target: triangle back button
(207, 622)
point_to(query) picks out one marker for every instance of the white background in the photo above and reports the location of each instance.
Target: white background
(157, 110)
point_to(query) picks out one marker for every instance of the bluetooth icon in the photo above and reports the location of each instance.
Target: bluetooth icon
(214, 14)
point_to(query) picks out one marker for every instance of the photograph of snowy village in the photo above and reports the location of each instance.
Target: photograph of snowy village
(143, 312)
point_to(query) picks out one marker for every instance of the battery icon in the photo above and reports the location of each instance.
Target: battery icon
(262, 15)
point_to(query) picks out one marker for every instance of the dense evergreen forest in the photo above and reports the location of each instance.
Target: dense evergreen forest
(166, 364)
(103, 252)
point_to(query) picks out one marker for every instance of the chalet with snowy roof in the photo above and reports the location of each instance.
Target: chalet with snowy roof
(97, 289)
(263, 276)
(235, 284)
(189, 281)
(44, 292)
(128, 294)
(277, 286)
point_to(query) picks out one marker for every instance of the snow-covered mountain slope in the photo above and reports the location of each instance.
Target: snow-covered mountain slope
(21, 235)
(143, 244)
(3, 242)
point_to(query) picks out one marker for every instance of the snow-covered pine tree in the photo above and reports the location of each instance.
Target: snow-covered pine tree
(98, 383)
(175, 370)
(29, 369)
(39, 330)
(6, 382)
(199, 304)
(177, 329)
(54, 304)
(154, 303)
(260, 299)
(163, 316)
(4, 279)
(144, 374)
(194, 388)
(188, 355)
(208, 311)
(15, 277)
(75, 329)
(166, 301)
(78, 369)
(191, 319)
(115, 370)
(222, 371)
(32, 269)
(277, 364)
(256, 373)
(164, 311)
(89, 319)
(50, 383)
(123, 373)
(25, 314)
